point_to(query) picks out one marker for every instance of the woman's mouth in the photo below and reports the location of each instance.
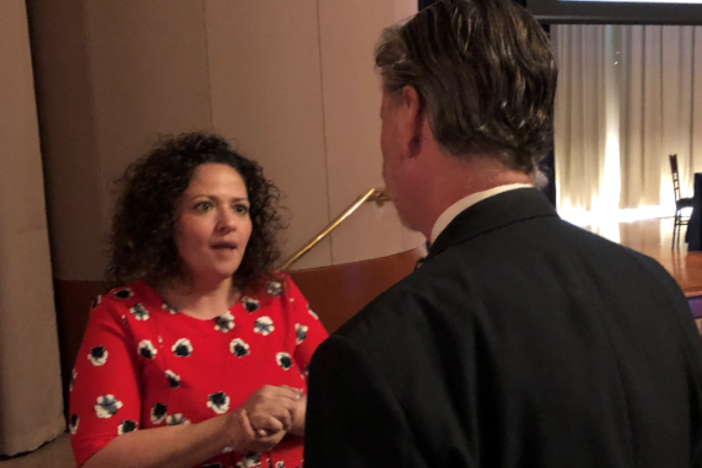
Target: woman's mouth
(224, 246)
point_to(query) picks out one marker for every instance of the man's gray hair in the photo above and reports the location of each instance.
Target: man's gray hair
(485, 74)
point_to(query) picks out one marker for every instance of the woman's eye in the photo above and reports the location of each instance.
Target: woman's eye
(241, 209)
(203, 206)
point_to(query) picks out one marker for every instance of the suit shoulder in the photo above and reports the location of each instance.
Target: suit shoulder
(402, 308)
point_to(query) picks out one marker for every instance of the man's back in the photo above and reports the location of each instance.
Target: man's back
(522, 341)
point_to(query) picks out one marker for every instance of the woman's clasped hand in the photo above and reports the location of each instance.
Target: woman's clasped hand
(268, 414)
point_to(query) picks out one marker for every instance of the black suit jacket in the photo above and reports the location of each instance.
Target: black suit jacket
(523, 341)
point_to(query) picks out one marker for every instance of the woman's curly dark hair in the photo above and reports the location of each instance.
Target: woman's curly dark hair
(142, 241)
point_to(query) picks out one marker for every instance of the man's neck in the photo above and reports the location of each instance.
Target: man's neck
(458, 179)
(463, 204)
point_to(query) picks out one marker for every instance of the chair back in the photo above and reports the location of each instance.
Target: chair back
(676, 176)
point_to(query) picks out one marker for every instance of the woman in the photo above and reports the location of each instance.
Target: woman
(200, 359)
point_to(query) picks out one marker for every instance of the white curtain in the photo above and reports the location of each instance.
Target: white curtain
(31, 405)
(627, 98)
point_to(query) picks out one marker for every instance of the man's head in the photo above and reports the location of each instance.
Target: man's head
(484, 74)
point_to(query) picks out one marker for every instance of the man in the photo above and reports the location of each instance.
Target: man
(522, 341)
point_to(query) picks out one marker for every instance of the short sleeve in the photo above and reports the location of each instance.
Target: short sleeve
(309, 332)
(104, 391)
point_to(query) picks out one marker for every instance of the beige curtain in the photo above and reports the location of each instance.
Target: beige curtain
(31, 406)
(580, 129)
(627, 98)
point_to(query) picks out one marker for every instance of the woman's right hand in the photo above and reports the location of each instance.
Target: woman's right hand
(243, 436)
(262, 421)
(272, 409)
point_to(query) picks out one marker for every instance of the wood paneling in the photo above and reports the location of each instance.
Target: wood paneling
(337, 292)
(73, 299)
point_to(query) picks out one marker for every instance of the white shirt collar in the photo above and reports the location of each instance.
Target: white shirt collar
(458, 207)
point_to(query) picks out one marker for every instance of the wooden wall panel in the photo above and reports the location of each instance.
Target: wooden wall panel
(73, 299)
(338, 292)
(266, 94)
(351, 96)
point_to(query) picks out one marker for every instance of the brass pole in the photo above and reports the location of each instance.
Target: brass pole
(376, 195)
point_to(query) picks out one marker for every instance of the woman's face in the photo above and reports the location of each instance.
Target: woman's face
(213, 224)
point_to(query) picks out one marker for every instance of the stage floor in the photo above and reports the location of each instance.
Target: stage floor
(653, 237)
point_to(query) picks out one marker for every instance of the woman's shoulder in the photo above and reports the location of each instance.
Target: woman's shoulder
(276, 292)
(273, 286)
(137, 298)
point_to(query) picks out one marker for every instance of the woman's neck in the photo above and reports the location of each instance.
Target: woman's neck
(199, 299)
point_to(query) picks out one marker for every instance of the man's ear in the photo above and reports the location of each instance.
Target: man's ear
(413, 118)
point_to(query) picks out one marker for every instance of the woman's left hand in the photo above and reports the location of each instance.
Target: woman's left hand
(272, 409)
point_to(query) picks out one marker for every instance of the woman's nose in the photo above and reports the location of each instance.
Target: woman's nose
(226, 220)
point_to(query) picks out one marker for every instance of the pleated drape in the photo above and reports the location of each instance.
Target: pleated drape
(31, 406)
(627, 98)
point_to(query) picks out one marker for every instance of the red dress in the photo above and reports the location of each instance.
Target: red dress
(142, 365)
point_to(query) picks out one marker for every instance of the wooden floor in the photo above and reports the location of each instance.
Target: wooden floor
(653, 238)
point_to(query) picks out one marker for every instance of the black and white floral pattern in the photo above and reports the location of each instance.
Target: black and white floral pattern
(182, 348)
(146, 349)
(74, 374)
(139, 312)
(312, 313)
(250, 304)
(224, 322)
(126, 426)
(96, 302)
(172, 310)
(274, 288)
(238, 347)
(98, 356)
(173, 379)
(218, 402)
(264, 325)
(242, 327)
(284, 360)
(300, 333)
(107, 406)
(158, 413)
(176, 419)
(73, 422)
(123, 293)
(250, 460)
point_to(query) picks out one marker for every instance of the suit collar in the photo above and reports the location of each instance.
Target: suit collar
(493, 213)
(466, 202)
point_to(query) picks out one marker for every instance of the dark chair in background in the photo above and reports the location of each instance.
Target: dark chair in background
(680, 202)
